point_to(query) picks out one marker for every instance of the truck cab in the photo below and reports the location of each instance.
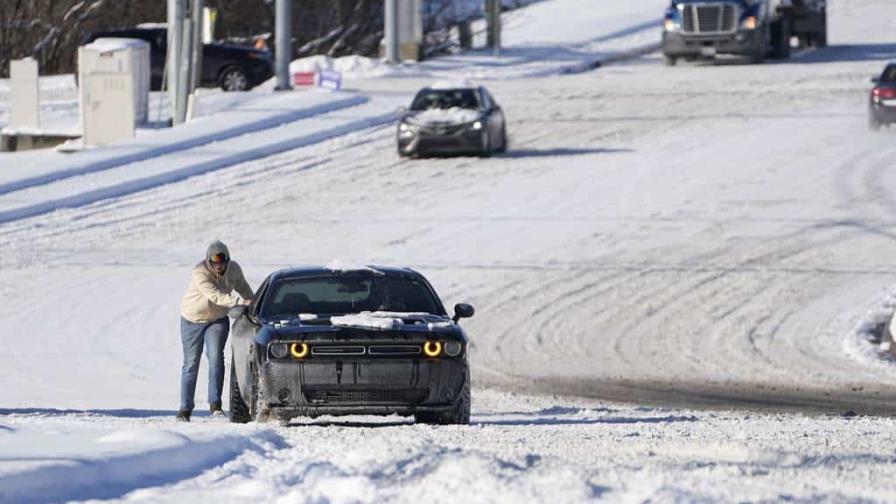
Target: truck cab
(752, 28)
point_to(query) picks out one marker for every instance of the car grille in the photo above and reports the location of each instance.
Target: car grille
(709, 18)
(442, 128)
(352, 396)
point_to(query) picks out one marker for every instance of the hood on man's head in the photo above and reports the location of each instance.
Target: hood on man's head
(216, 247)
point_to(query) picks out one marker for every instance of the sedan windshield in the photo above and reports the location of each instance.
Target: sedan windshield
(332, 295)
(446, 99)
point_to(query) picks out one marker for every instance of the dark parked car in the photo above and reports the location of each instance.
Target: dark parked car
(372, 340)
(882, 105)
(452, 120)
(232, 67)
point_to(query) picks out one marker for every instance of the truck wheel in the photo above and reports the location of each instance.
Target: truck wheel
(781, 32)
(239, 411)
(821, 40)
(670, 60)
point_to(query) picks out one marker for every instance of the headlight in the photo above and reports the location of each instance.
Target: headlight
(670, 24)
(299, 350)
(406, 127)
(432, 348)
(279, 350)
(477, 125)
(453, 348)
(749, 23)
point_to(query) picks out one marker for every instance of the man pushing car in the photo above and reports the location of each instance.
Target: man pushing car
(203, 322)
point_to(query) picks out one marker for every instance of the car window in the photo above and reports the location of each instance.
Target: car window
(446, 99)
(889, 74)
(342, 294)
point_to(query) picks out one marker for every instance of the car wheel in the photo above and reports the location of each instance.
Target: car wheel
(458, 415)
(670, 61)
(486, 146)
(503, 147)
(239, 411)
(234, 79)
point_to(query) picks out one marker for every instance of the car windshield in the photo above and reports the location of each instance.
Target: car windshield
(337, 295)
(446, 99)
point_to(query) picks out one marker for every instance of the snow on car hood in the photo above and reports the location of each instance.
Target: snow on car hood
(454, 115)
(389, 320)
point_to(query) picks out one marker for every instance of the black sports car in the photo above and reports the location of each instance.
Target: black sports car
(452, 120)
(344, 341)
(230, 67)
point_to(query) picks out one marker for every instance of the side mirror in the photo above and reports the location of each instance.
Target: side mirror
(237, 311)
(462, 310)
(401, 111)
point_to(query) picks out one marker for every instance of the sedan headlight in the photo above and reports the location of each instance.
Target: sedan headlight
(477, 125)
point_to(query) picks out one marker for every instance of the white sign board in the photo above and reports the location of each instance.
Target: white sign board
(24, 93)
(108, 108)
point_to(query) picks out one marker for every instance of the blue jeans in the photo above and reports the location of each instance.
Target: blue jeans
(212, 335)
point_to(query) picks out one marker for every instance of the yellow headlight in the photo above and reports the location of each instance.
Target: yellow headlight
(432, 348)
(750, 23)
(298, 350)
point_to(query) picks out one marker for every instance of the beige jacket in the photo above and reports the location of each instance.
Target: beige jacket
(209, 295)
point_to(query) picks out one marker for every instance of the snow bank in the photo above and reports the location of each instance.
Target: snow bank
(78, 463)
(356, 67)
(866, 344)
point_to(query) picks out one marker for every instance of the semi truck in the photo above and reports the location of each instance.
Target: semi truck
(752, 28)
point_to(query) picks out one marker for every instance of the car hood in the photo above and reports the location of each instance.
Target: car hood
(454, 115)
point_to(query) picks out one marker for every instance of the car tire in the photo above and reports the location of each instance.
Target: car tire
(239, 410)
(503, 148)
(459, 414)
(233, 78)
(487, 146)
(670, 61)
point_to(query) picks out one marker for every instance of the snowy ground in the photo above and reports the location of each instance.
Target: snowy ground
(695, 249)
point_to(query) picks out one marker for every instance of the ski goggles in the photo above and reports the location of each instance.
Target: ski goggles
(218, 259)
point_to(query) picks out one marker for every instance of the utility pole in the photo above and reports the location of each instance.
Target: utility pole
(196, 11)
(493, 20)
(391, 32)
(283, 15)
(175, 60)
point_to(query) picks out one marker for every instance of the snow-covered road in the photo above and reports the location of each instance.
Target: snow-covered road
(658, 240)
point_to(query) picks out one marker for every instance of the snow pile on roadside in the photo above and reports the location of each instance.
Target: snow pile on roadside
(354, 66)
(73, 461)
(867, 344)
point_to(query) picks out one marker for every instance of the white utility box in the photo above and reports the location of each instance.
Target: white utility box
(25, 94)
(102, 65)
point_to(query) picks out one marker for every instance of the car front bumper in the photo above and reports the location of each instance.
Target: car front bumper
(681, 45)
(357, 386)
(429, 142)
(882, 113)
